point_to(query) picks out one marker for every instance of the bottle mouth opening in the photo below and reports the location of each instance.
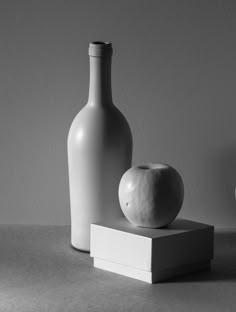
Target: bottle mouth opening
(100, 48)
(100, 43)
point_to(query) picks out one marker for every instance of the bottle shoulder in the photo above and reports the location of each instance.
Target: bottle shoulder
(96, 116)
(106, 122)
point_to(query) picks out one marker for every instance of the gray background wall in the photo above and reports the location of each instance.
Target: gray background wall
(174, 76)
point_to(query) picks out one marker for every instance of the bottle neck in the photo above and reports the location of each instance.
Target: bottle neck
(100, 93)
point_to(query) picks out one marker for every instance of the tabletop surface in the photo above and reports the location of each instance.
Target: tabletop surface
(40, 271)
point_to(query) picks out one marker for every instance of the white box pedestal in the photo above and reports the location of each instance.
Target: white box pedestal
(152, 255)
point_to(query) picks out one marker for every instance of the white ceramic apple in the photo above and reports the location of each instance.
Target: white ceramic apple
(151, 195)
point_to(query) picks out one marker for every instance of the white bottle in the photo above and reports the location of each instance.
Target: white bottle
(99, 152)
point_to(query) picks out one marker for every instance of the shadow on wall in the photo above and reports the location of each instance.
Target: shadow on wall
(224, 264)
(226, 180)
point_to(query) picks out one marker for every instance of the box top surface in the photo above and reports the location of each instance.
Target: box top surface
(178, 226)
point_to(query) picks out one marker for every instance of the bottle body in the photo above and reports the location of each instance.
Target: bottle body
(99, 152)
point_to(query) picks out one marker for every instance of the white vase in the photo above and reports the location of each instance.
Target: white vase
(99, 152)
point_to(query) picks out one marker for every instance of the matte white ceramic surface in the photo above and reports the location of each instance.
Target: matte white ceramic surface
(151, 195)
(99, 152)
(152, 255)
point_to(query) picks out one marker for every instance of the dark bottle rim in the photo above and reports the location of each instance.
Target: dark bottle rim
(100, 49)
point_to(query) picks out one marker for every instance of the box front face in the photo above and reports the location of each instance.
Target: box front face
(123, 270)
(121, 247)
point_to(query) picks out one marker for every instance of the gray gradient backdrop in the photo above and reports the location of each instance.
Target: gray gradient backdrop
(174, 74)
